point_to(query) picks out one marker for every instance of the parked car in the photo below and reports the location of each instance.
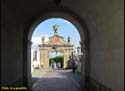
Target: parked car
(36, 64)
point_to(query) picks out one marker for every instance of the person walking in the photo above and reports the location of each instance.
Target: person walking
(55, 66)
(73, 66)
(59, 65)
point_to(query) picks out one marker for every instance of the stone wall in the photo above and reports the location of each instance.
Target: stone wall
(104, 19)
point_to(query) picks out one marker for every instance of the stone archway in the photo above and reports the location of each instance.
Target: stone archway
(64, 13)
(56, 43)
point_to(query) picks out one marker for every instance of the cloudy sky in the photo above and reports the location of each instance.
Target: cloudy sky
(46, 29)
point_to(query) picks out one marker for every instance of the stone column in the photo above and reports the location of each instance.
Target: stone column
(83, 58)
(31, 60)
(44, 58)
(65, 61)
(27, 65)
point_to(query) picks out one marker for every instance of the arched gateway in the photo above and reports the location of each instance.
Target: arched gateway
(56, 43)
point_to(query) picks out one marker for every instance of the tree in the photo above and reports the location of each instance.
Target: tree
(57, 59)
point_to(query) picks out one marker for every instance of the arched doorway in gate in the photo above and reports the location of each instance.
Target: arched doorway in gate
(82, 29)
(56, 60)
(56, 43)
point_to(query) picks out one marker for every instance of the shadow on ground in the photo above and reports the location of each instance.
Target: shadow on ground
(57, 80)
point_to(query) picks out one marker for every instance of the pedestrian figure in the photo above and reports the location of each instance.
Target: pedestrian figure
(58, 65)
(52, 64)
(73, 65)
(55, 65)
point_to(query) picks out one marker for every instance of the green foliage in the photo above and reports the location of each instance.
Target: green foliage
(57, 59)
(52, 61)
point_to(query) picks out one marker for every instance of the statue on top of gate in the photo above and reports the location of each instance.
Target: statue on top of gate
(55, 28)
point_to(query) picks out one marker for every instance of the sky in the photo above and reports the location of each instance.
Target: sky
(45, 29)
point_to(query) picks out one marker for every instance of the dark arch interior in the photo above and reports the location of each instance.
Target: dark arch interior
(101, 27)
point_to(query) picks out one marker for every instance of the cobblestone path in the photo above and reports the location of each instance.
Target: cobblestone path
(62, 80)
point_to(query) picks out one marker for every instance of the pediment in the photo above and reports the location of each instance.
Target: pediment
(56, 40)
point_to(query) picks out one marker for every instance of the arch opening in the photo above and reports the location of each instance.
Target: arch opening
(65, 16)
(56, 60)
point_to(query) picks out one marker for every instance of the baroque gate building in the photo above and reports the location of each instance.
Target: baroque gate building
(56, 43)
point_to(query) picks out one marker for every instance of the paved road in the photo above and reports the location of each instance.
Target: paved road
(37, 74)
(63, 80)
